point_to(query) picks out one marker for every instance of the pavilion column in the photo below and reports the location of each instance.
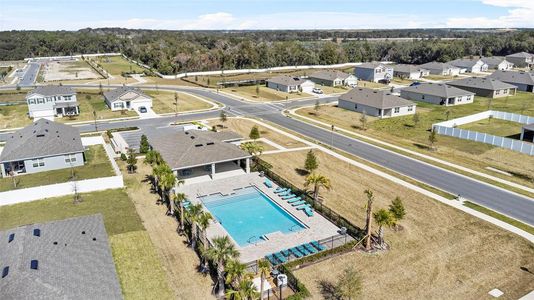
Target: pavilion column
(247, 165)
(212, 171)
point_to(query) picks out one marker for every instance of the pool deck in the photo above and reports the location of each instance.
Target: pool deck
(317, 226)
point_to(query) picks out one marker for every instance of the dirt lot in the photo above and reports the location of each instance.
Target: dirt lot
(68, 70)
(440, 253)
(243, 126)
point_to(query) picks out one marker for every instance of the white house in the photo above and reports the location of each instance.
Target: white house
(497, 63)
(444, 69)
(381, 104)
(437, 93)
(127, 98)
(409, 71)
(333, 78)
(470, 65)
(51, 101)
(290, 84)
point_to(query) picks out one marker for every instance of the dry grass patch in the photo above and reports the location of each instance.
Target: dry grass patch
(243, 126)
(265, 93)
(441, 251)
(163, 102)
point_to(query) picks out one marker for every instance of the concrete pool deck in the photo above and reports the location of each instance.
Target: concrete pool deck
(318, 227)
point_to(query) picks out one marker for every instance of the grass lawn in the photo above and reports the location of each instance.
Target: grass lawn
(440, 77)
(404, 81)
(442, 250)
(401, 131)
(266, 94)
(115, 65)
(496, 127)
(243, 126)
(333, 90)
(138, 268)
(96, 165)
(12, 116)
(163, 102)
(371, 85)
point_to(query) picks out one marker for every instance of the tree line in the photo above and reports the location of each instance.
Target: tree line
(171, 52)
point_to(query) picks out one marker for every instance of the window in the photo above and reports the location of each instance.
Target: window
(468, 98)
(70, 158)
(31, 101)
(410, 108)
(58, 98)
(40, 100)
(505, 91)
(67, 98)
(118, 105)
(37, 232)
(38, 163)
(396, 110)
(48, 99)
(497, 92)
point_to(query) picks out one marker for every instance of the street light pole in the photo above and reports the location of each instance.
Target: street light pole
(94, 116)
(332, 143)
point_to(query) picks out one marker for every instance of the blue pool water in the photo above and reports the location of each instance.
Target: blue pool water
(249, 214)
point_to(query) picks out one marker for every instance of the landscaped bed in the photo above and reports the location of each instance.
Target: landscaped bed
(440, 249)
(96, 165)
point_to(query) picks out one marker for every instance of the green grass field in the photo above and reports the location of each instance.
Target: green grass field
(138, 267)
(496, 127)
(116, 65)
(96, 165)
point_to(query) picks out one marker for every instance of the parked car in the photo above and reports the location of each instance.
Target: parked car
(353, 85)
(415, 83)
(142, 109)
(317, 90)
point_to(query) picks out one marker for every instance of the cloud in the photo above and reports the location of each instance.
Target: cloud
(519, 13)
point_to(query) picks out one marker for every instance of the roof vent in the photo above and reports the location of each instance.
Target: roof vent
(55, 243)
(210, 143)
(94, 239)
(40, 135)
(198, 145)
(5, 271)
(37, 232)
(34, 264)
(192, 137)
(83, 232)
(11, 238)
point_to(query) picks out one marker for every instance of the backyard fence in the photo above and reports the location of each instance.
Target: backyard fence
(448, 128)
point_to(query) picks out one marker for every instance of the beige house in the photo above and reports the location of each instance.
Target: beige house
(376, 103)
(127, 98)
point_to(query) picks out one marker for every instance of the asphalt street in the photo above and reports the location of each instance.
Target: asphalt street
(508, 203)
(30, 75)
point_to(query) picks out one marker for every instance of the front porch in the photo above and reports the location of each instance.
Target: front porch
(67, 110)
(213, 171)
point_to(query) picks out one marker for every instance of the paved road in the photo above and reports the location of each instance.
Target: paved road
(30, 75)
(516, 206)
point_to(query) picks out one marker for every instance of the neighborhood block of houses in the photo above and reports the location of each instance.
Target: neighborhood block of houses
(333, 78)
(437, 93)
(381, 104)
(51, 101)
(127, 98)
(290, 84)
(42, 146)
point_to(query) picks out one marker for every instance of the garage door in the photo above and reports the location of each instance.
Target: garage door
(138, 103)
(307, 86)
(43, 114)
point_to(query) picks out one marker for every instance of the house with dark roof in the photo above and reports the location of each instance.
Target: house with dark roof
(66, 259)
(42, 146)
(290, 84)
(497, 63)
(52, 101)
(333, 78)
(374, 72)
(409, 71)
(523, 80)
(521, 59)
(127, 98)
(437, 93)
(202, 154)
(442, 69)
(381, 104)
(485, 87)
(470, 65)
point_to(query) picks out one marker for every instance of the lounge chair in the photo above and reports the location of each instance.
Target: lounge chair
(280, 190)
(280, 257)
(271, 259)
(285, 193)
(296, 252)
(303, 250)
(268, 183)
(293, 200)
(318, 246)
(299, 203)
(286, 252)
(303, 207)
(287, 197)
(310, 248)
(309, 212)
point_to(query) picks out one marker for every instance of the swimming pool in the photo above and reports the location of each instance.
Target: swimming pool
(248, 214)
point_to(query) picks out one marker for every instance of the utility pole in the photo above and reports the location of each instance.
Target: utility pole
(176, 104)
(332, 143)
(94, 116)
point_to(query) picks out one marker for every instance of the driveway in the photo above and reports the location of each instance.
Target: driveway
(148, 115)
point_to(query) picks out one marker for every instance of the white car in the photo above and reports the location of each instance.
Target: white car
(317, 90)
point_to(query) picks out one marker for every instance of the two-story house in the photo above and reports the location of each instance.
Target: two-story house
(52, 101)
(375, 72)
(521, 59)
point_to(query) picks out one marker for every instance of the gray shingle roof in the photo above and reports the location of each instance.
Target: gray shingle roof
(77, 267)
(437, 89)
(406, 68)
(493, 61)
(371, 65)
(329, 75)
(464, 63)
(40, 139)
(115, 94)
(286, 80)
(481, 83)
(195, 148)
(434, 65)
(375, 98)
(513, 77)
(52, 90)
(520, 55)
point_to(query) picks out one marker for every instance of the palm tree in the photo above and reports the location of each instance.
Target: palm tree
(193, 214)
(370, 198)
(167, 181)
(383, 218)
(317, 181)
(236, 272)
(264, 268)
(246, 291)
(203, 222)
(179, 199)
(222, 251)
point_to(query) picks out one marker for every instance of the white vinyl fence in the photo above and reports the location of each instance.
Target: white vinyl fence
(448, 128)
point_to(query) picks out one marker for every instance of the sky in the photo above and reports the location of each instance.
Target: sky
(264, 14)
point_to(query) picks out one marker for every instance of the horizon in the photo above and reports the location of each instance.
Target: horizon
(266, 15)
